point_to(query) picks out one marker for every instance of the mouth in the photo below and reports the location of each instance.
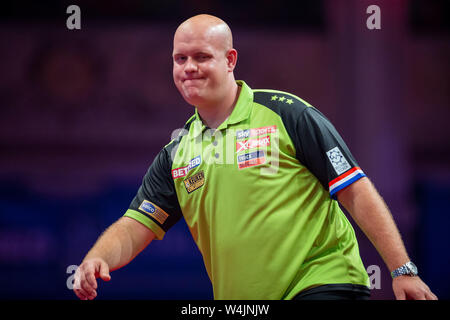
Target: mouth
(192, 80)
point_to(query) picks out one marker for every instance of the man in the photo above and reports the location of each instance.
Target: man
(264, 212)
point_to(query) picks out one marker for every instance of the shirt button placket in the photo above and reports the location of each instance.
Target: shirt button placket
(215, 143)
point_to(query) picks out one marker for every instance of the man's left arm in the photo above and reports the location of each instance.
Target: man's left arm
(372, 215)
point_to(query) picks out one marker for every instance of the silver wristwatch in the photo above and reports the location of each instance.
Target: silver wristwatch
(408, 268)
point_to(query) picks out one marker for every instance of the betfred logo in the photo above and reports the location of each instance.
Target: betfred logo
(254, 132)
(252, 143)
(183, 171)
(179, 172)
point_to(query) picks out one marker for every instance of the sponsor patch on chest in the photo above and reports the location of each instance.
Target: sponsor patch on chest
(252, 144)
(251, 159)
(254, 132)
(183, 171)
(194, 182)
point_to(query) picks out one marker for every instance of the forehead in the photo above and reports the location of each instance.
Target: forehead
(187, 42)
(191, 47)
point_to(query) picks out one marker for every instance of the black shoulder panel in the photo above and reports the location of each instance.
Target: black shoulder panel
(318, 145)
(158, 186)
(288, 107)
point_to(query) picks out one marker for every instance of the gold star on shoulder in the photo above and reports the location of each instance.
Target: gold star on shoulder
(274, 98)
(289, 101)
(281, 99)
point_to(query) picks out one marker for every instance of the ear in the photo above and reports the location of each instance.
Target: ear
(231, 59)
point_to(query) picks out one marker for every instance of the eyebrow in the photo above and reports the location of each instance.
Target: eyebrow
(174, 54)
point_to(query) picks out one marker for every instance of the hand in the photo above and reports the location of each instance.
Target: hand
(411, 288)
(85, 284)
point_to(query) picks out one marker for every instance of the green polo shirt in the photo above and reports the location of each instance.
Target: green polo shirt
(258, 195)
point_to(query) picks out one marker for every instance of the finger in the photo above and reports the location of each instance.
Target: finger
(92, 295)
(104, 272)
(400, 295)
(85, 286)
(79, 294)
(77, 279)
(420, 295)
(82, 288)
(90, 278)
(430, 296)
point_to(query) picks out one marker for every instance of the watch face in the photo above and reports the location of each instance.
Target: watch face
(412, 267)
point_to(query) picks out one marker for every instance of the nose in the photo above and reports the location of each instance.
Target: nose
(190, 66)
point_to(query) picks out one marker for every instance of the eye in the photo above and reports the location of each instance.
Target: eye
(202, 57)
(179, 59)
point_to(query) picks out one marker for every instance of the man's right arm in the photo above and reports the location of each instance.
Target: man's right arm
(153, 211)
(115, 248)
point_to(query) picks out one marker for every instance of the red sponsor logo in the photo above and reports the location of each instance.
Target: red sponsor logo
(180, 172)
(183, 171)
(252, 143)
(247, 160)
(252, 162)
(263, 130)
(254, 132)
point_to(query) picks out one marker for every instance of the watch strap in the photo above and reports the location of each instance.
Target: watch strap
(404, 270)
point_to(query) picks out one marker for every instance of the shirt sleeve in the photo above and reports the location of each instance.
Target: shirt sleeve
(323, 151)
(156, 204)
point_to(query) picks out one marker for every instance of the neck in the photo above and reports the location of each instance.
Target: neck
(213, 115)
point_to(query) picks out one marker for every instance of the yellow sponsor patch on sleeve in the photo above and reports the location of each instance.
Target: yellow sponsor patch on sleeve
(153, 211)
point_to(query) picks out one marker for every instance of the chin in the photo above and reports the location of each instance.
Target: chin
(192, 98)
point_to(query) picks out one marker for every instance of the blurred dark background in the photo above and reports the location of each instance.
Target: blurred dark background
(84, 112)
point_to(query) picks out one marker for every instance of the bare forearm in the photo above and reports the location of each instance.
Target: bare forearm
(372, 215)
(118, 245)
(114, 246)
